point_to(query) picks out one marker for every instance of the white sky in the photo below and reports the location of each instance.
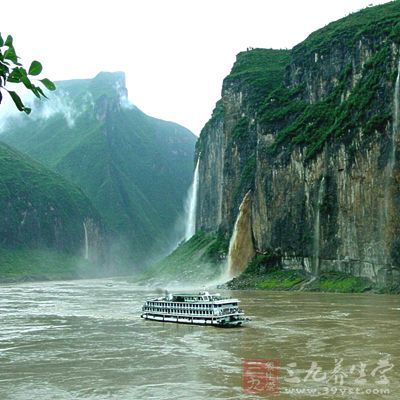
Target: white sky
(175, 52)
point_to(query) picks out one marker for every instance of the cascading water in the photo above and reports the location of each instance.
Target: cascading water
(317, 227)
(241, 249)
(191, 204)
(86, 242)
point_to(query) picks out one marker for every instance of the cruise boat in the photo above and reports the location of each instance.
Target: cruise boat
(202, 308)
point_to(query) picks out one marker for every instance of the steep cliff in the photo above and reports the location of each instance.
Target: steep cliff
(313, 133)
(134, 168)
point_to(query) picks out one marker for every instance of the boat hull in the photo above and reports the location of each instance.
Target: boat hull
(218, 322)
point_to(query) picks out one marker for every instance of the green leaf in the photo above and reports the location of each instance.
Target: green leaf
(27, 110)
(11, 55)
(15, 76)
(23, 71)
(17, 100)
(35, 68)
(48, 84)
(9, 41)
(1, 41)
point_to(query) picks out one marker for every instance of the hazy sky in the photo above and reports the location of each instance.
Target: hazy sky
(175, 52)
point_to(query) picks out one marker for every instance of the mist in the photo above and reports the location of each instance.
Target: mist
(57, 103)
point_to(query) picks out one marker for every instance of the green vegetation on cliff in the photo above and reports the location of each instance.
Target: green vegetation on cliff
(337, 116)
(352, 101)
(346, 102)
(377, 21)
(41, 222)
(39, 208)
(258, 72)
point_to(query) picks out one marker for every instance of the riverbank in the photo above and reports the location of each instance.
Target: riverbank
(266, 272)
(28, 265)
(298, 280)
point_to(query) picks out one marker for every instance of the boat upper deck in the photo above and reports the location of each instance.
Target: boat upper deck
(202, 297)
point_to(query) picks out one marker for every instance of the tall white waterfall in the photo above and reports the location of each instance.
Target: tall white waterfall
(317, 227)
(86, 242)
(191, 204)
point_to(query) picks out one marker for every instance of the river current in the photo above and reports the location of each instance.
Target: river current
(85, 340)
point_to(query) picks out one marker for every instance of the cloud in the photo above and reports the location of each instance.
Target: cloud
(59, 102)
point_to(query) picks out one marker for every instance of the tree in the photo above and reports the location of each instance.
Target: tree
(12, 71)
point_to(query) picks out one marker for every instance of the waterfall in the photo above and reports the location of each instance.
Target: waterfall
(241, 249)
(191, 204)
(317, 227)
(86, 242)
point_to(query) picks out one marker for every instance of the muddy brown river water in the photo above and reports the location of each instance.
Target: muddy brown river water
(86, 340)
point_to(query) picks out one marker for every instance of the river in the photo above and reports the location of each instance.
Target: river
(85, 340)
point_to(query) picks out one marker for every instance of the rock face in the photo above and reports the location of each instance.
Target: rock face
(314, 133)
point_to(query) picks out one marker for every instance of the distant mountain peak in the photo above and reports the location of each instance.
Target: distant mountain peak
(110, 93)
(109, 75)
(110, 80)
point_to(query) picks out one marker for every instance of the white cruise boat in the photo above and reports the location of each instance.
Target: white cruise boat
(201, 309)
